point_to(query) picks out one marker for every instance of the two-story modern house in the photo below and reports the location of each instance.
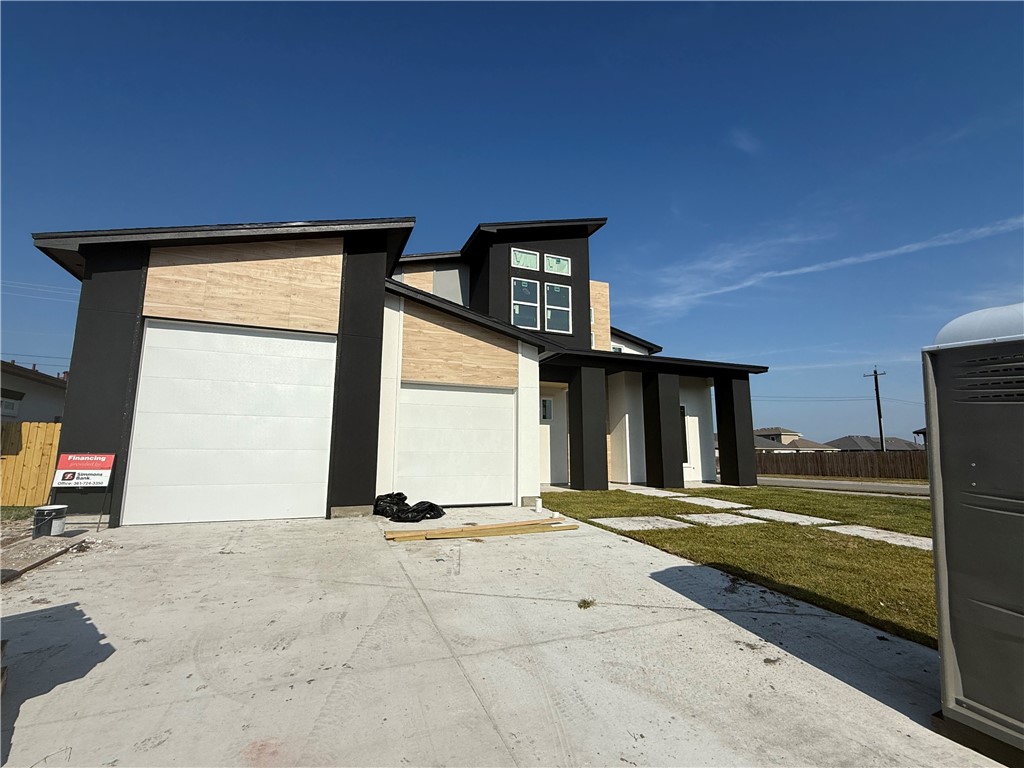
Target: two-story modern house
(299, 369)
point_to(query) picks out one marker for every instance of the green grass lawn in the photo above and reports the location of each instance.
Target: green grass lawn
(16, 513)
(881, 584)
(904, 515)
(894, 480)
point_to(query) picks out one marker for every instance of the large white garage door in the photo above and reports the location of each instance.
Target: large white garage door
(230, 424)
(456, 445)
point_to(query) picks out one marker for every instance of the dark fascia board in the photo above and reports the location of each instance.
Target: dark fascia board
(637, 340)
(434, 256)
(65, 247)
(547, 228)
(12, 369)
(616, 362)
(463, 313)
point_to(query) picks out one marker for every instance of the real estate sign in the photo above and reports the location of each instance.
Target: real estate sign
(83, 470)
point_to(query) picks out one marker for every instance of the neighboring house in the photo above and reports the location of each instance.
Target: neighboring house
(30, 395)
(299, 369)
(761, 445)
(867, 443)
(789, 441)
(923, 433)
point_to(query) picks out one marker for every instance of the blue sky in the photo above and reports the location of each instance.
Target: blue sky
(813, 187)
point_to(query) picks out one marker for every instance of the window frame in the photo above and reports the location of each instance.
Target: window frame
(513, 303)
(513, 265)
(557, 309)
(551, 410)
(566, 259)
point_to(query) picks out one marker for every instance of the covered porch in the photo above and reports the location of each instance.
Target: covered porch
(611, 417)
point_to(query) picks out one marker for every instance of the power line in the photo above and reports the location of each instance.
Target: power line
(37, 356)
(39, 287)
(42, 298)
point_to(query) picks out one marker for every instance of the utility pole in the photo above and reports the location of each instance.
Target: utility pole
(878, 405)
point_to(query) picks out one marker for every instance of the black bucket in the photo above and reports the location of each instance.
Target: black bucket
(49, 520)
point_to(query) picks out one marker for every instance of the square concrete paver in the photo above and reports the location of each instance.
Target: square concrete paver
(720, 518)
(649, 523)
(877, 534)
(702, 501)
(778, 516)
(657, 492)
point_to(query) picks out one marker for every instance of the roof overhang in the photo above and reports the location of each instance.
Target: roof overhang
(549, 229)
(463, 313)
(636, 340)
(559, 365)
(65, 248)
(12, 369)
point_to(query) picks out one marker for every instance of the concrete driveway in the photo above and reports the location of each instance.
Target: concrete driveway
(318, 643)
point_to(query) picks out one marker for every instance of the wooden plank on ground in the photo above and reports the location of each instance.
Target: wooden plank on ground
(520, 531)
(419, 531)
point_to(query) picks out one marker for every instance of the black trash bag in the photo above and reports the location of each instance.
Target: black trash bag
(389, 503)
(424, 510)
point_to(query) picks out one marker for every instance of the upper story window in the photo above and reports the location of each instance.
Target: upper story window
(557, 265)
(557, 308)
(525, 259)
(526, 303)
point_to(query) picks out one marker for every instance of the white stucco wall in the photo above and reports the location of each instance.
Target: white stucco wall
(695, 396)
(626, 422)
(627, 348)
(554, 436)
(528, 436)
(390, 381)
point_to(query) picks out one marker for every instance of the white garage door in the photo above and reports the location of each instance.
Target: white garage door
(455, 445)
(230, 424)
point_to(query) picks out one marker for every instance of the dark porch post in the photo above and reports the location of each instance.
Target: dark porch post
(663, 431)
(588, 415)
(735, 431)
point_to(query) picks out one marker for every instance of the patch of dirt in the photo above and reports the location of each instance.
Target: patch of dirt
(12, 531)
(23, 553)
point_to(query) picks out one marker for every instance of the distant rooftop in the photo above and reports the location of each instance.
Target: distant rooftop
(776, 431)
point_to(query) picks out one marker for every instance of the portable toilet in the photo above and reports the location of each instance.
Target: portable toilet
(974, 399)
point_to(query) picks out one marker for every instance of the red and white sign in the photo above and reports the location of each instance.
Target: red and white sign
(83, 470)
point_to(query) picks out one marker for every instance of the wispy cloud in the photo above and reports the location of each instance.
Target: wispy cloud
(745, 141)
(720, 273)
(866, 362)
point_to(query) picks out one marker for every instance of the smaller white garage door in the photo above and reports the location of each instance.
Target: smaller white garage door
(456, 446)
(230, 424)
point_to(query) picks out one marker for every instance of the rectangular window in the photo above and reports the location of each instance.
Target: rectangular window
(558, 265)
(526, 304)
(557, 308)
(525, 259)
(616, 348)
(547, 408)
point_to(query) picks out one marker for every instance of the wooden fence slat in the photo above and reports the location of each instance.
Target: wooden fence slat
(29, 460)
(901, 465)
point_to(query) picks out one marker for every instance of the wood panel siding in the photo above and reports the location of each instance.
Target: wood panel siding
(601, 327)
(29, 455)
(419, 276)
(290, 284)
(440, 349)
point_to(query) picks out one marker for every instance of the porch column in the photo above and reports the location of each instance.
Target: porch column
(663, 430)
(588, 413)
(735, 431)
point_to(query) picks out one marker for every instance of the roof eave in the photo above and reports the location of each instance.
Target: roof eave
(457, 310)
(65, 247)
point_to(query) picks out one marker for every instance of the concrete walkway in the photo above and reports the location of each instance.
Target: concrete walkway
(848, 486)
(318, 643)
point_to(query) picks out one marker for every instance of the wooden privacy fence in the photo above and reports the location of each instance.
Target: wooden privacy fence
(29, 450)
(901, 465)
